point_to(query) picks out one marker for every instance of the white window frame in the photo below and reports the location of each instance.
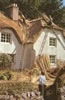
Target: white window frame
(52, 41)
(5, 37)
(52, 59)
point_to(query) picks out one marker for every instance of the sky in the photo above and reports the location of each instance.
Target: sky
(64, 2)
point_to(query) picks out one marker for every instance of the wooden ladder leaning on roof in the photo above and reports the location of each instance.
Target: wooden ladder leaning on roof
(43, 43)
(40, 53)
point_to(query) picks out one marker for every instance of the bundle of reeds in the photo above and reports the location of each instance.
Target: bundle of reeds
(43, 63)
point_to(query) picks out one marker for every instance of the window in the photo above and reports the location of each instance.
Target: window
(52, 42)
(52, 59)
(5, 37)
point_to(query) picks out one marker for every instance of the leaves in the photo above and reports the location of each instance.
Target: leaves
(5, 61)
(34, 8)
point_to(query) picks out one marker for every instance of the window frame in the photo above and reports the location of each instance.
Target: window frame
(52, 59)
(5, 37)
(53, 42)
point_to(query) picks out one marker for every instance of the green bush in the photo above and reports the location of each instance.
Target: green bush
(9, 75)
(2, 77)
(5, 61)
(6, 76)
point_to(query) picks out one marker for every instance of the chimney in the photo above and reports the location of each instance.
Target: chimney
(13, 11)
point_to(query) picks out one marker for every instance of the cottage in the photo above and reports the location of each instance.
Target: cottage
(13, 38)
(51, 42)
(23, 39)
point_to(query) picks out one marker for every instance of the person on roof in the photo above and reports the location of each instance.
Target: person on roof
(42, 81)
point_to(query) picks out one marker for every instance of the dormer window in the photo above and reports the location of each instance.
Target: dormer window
(5, 37)
(52, 41)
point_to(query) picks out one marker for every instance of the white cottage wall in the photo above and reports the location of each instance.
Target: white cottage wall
(37, 44)
(48, 50)
(60, 49)
(14, 47)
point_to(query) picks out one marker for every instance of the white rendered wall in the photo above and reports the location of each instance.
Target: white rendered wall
(14, 47)
(57, 51)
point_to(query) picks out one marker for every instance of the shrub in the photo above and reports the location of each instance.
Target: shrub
(15, 87)
(6, 76)
(2, 77)
(9, 75)
(5, 61)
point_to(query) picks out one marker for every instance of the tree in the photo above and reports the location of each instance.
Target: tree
(34, 8)
(55, 9)
(29, 8)
(3, 4)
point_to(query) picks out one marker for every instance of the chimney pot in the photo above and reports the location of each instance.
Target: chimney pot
(13, 11)
(16, 5)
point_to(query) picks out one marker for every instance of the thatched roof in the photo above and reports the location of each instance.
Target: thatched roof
(29, 31)
(21, 29)
(6, 22)
(38, 25)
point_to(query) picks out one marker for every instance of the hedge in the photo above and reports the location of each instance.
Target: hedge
(15, 87)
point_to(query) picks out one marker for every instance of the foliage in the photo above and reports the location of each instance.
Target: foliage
(60, 78)
(54, 8)
(6, 76)
(3, 77)
(5, 61)
(15, 87)
(35, 71)
(34, 8)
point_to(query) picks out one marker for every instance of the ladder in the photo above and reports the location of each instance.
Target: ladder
(43, 43)
(56, 33)
(58, 38)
